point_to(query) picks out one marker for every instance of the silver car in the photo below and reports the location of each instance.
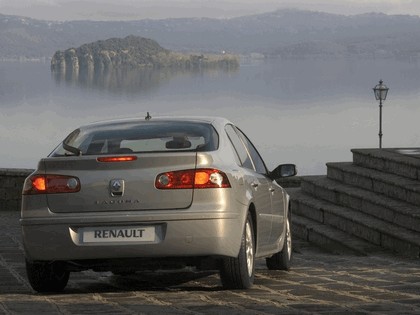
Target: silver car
(144, 194)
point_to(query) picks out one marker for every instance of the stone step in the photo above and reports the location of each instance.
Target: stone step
(391, 185)
(400, 161)
(357, 225)
(329, 238)
(382, 207)
(326, 237)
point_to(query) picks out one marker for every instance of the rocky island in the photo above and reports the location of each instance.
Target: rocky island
(133, 52)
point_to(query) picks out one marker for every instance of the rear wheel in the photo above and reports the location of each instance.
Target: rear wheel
(283, 259)
(47, 276)
(238, 273)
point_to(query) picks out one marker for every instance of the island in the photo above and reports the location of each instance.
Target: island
(134, 52)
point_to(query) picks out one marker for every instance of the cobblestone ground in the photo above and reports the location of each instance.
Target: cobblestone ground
(319, 283)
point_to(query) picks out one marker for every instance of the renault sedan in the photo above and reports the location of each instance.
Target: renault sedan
(155, 193)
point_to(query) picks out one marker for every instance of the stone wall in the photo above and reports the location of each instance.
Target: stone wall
(11, 183)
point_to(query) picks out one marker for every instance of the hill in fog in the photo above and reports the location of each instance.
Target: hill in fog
(287, 33)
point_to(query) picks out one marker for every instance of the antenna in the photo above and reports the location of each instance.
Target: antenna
(148, 117)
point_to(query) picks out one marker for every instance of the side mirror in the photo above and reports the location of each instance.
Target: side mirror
(284, 170)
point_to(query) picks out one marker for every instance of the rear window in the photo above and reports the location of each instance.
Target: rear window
(137, 137)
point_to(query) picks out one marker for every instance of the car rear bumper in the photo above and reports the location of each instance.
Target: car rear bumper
(187, 235)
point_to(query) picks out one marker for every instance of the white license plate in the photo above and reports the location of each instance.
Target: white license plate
(124, 234)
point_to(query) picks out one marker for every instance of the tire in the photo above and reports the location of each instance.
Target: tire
(239, 272)
(283, 259)
(47, 276)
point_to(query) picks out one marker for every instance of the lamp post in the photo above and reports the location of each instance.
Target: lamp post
(381, 92)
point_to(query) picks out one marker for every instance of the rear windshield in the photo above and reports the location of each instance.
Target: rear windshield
(135, 137)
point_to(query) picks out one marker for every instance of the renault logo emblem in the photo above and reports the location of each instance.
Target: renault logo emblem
(117, 187)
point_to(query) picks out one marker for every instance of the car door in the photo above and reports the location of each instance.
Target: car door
(258, 186)
(271, 188)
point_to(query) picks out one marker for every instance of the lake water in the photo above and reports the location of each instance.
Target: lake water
(307, 112)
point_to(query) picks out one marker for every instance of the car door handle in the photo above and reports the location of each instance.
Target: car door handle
(271, 189)
(254, 184)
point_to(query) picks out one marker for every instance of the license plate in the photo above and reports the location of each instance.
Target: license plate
(125, 234)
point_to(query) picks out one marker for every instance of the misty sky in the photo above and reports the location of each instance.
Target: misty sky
(159, 9)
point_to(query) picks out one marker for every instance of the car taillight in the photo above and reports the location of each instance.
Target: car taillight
(51, 184)
(189, 179)
(113, 159)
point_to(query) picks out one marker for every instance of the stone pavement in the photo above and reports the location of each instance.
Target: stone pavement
(319, 283)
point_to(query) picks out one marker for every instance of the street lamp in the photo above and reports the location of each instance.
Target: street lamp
(381, 92)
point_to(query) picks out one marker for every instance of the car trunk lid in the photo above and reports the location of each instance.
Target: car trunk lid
(120, 186)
